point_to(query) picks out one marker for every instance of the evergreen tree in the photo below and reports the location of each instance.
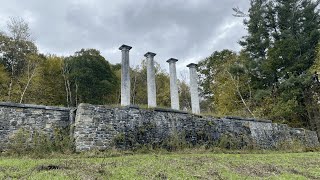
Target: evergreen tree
(281, 44)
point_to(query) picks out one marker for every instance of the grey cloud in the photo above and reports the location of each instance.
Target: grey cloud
(186, 29)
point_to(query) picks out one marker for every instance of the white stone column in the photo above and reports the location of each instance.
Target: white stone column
(125, 75)
(194, 88)
(151, 80)
(173, 84)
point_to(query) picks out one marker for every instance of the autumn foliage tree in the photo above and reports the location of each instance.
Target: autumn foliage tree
(272, 76)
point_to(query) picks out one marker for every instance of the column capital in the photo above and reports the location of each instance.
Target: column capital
(192, 65)
(150, 54)
(125, 47)
(172, 60)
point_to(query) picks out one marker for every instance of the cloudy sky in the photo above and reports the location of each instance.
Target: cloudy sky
(188, 30)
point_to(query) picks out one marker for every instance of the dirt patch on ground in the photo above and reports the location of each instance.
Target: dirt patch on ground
(161, 176)
(49, 167)
(212, 173)
(258, 170)
(307, 175)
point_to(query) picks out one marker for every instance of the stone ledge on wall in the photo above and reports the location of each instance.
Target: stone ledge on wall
(169, 110)
(248, 119)
(10, 104)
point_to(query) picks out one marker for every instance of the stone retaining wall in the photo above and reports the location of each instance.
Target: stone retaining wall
(31, 117)
(101, 127)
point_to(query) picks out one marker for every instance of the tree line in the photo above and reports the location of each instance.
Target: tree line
(274, 75)
(27, 76)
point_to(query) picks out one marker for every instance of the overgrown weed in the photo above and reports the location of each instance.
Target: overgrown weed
(38, 144)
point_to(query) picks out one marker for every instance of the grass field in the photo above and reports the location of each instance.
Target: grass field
(203, 165)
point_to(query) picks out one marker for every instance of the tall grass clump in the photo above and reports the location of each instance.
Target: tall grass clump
(38, 143)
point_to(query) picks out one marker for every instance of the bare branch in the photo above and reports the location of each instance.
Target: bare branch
(240, 95)
(239, 13)
(19, 29)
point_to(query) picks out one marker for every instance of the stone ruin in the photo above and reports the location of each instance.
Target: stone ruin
(103, 127)
(151, 83)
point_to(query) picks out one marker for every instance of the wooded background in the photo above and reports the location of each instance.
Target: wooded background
(273, 76)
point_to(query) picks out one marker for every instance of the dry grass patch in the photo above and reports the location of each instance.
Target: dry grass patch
(258, 170)
(165, 166)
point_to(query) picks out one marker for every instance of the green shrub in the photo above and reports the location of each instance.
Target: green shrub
(230, 142)
(176, 141)
(63, 142)
(290, 146)
(20, 142)
(38, 143)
